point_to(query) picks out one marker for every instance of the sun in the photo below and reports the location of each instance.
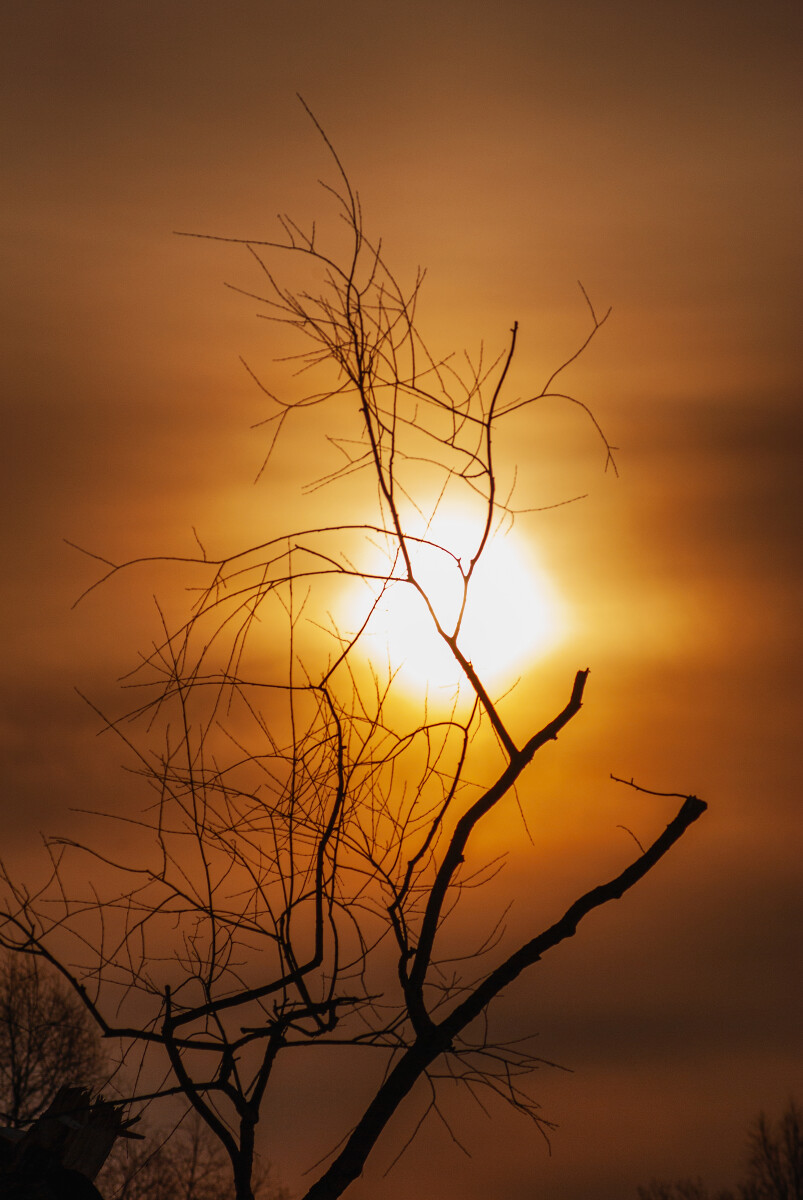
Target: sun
(513, 613)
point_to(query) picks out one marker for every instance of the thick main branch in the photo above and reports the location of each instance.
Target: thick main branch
(427, 1048)
(457, 845)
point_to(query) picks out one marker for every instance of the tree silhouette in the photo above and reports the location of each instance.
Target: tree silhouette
(774, 1166)
(775, 1162)
(189, 1164)
(313, 832)
(47, 1040)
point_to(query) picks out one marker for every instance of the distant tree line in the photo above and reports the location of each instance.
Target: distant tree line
(774, 1168)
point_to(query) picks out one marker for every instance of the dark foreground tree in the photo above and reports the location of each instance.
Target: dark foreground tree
(313, 856)
(774, 1168)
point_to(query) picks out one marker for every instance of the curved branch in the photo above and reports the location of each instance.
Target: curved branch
(413, 1063)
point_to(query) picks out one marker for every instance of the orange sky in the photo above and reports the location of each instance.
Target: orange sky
(512, 149)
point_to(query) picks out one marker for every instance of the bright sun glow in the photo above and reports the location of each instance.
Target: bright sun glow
(513, 613)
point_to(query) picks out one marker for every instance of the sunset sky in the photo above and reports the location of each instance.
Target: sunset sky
(650, 151)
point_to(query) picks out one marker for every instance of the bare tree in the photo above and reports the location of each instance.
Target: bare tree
(775, 1161)
(189, 1164)
(310, 840)
(774, 1166)
(47, 1040)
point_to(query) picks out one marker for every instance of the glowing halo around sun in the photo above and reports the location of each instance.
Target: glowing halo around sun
(513, 614)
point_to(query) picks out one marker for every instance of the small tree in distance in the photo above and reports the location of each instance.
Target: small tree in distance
(311, 840)
(775, 1160)
(47, 1040)
(189, 1164)
(774, 1166)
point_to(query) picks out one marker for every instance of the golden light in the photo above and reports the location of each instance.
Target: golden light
(513, 613)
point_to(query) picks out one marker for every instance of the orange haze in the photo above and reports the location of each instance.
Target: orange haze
(651, 151)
